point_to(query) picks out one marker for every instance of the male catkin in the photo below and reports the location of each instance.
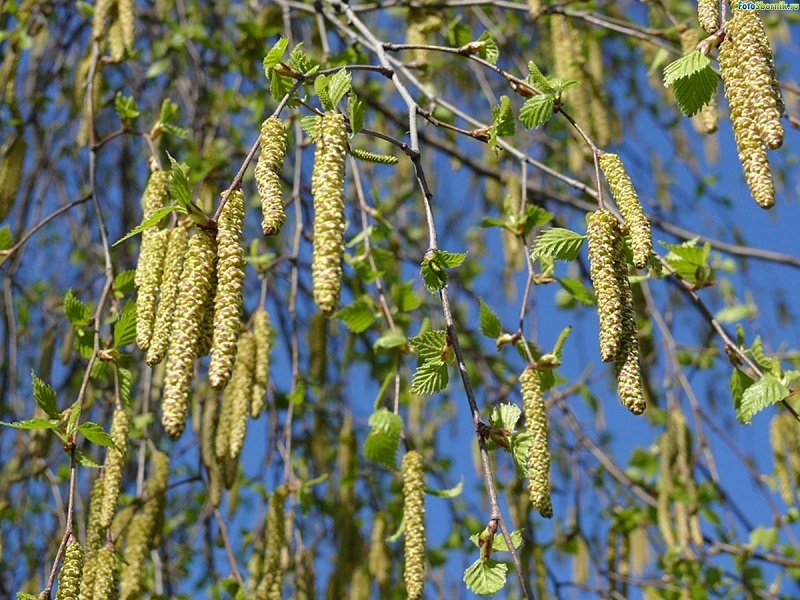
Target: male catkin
(94, 538)
(708, 15)
(537, 427)
(230, 282)
(630, 207)
(271, 585)
(106, 575)
(156, 194)
(102, 8)
(240, 389)
(69, 578)
(194, 288)
(262, 333)
(112, 469)
(150, 270)
(168, 294)
(127, 21)
(268, 181)
(327, 187)
(414, 510)
(379, 561)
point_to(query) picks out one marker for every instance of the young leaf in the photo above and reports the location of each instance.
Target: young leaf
(505, 416)
(6, 241)
(85, 461)
(125, 327)
(301, 62)
(430, 377)
(123, 282)
(126, 379)
(502, 121)
(485, 577)
(685, 66)
(577, 290)
(359, 315)
(339, 85)
(97, 435)
(450, 260)
(488, 50)
(389, 341)
(321, 88)
(76, 311)
(357, 111)
(429, 345)
(126, 107)
(309, 125)
(152, 221)
(434, 277)
(453, 492)
(279, 86)
(489, 322)
(45, 396)
(179, 182)
(520, 446)
(274, 56)
(499, 542)
(760, 395)
(534, 217)
(384, 437)
(538, 80)
(695, 91)
(32, 424)
(537, 110)
(558, 243)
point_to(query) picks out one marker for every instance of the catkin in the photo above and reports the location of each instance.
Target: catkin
(708, 15)
(151, 267)
(318, 348)
(127, 20)
(69, 578)
(116, 37)
(630, 207)
(230, 282)
(241, 391)
(414, 510)
(629, 379)
(268, 181)
(782, 439)
(156, 194)
(706, 121)
(327, 187)
(107, 575)
(11, 174)
(271, 585)
(195, 285)
(379, 561)
(605, 243)
(663, 516)
(208, 452)
(112, 469)
(102, 8)
(537, 427)
(94, 538)
(262, 332)
(206, 334)
(168, 294)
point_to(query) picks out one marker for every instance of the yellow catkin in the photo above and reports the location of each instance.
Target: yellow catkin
(779, 437)
(601, 120)
(537, 427)
(94, 538)
(206, 335)
(629, 378)
(420, 23)
(741, 93)
(156, 195)
(708, 15)
(102, 9)
(69, 578)
(271, 585)
(360, 585)
(208, 452)
(113, 467)
(379, 561)
(534, 8)
(267, 175)
(151, 267)
(222, 434)
(605, 242)
(141, 531)
(106, 575)
(11, 174)
(230, 282)
(630, 207)
(168, 294)
(318, 346)
(414, 510)
(116, 39)
(262, 332)
(194, 289)
(241, 390)
(706, 121)
(663, 514)
(127, 20)
(327, 187)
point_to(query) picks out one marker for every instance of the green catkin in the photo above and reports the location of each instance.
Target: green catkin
(267, 175)
(605, 242)
(151, 267)
(271, 585)
(360, 587)
(708, 15)
(116, 37)
(113, 467)
(706, 121)
(194, 288)
(779, 438)
(69, 578)
(262, 332)
(230, 282)
(601, 120)
(94, 538)
(318, 346)
(379, 561)
(630, 207)
(534, 8)
(127, 20)
(740, 93)
(420, 23)
(102, 9)
(663, 516)
(629, 379)
(208, 452)
(537, 426)
(414, 510)
(142, 528)
(168, 294)
(327, 187)
(241, 390)
(222, 436)
(155, 196)
(11, 174)
(206, 335)
(107, 575)
(372, 157)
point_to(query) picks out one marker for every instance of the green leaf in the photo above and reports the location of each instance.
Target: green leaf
(485, 578)
(126, 107)
(179, 187)
(384, 437)
(502, 121)
(489, 322)
(453, 492)
(301, 62)
(123, 282)
(359, 315)
(505, 416)
(434, 277)
(125, 327)
(340, 83)
(24, 596)
(766, 363)
(389, 341)
(685, 66)
(558, 243)
(32, 424)
(538, 80)
(738, 312)
(488, 51)
(169, 111)
(85, 461)
(430, 377)
(97, 435)
(180, 132)
(430, 345)
(450, 260)
(309, 125)
(757, 397)
(534, 217)
(560, 85)
(152, 221)
(76, 311)
(357, 111)
(279, 86)
(321, 88)
(695, 91)
(520, 447)
(6, 240)
(499, 542)
(537, 110)
(45, 396)
(274, 56)
(577, 290)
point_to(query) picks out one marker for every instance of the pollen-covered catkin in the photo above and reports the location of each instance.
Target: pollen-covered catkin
(94, 538)
(537, 426)
(379, 561)
(268, 181)
(230, 282)
(102, 8)
(127, 20)
(327, 187)
(151, 267)
(262, 333)
(414, 510)
(116, 39)
(206, 335)
(630, 207)
(240, 389)
(707, 120)
(194, 288)
(69, 578)
(112, 469)
(629, 380)
(208, 453)
(107, 575)
(271, 585)
(605, 243)
(11, 174)
(156, 194)
(708, 15)
(168, 294)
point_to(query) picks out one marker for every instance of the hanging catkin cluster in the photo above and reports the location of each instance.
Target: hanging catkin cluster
(784, 440)
(420, 23)
(142, 528)
(618, 331)
(708, 15)
(121, 30)
(237, 397)
(537, 427)
(230, 282)
(262, 333)
(208, 451)
(69, 578)
(267, 175)
(753, 92)
(327, 186)
(168, 294)
(94, 538)
(115, 462)
(707, 120)
(630, 207)
(194, 289)
(271, 585)
(414, 510)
